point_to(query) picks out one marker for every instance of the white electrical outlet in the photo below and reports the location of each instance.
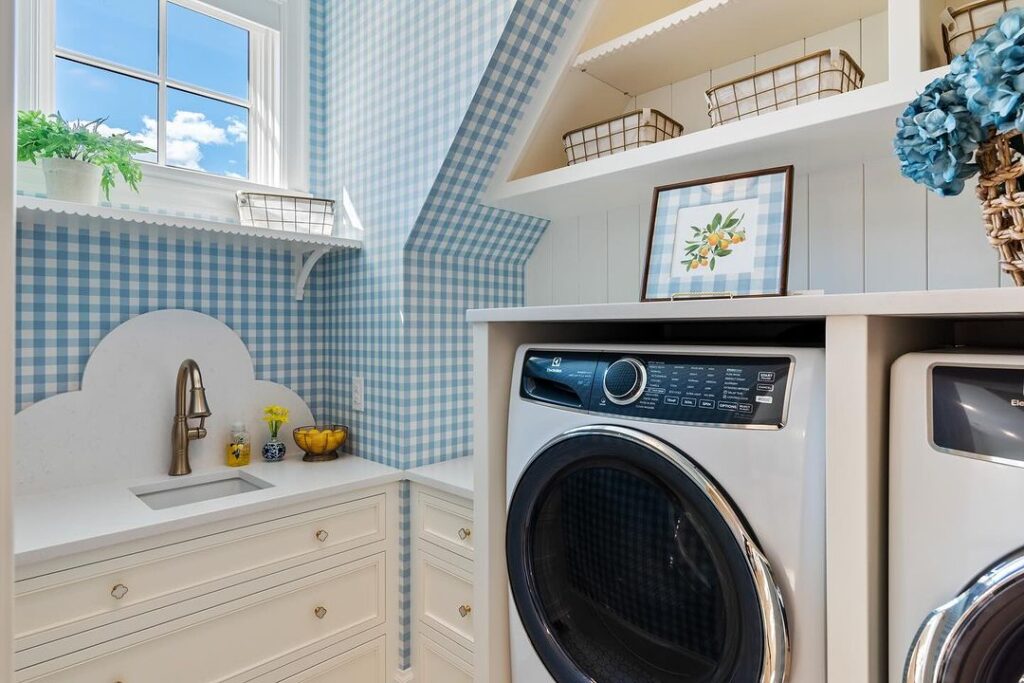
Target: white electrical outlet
(358, 394)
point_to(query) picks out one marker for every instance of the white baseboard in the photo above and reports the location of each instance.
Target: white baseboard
(404, 676)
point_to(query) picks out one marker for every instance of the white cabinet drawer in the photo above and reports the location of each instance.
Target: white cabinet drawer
(327, 605)
(444, 594)
(437, 663)
(63, 603)
(444, 523)
(364, 664)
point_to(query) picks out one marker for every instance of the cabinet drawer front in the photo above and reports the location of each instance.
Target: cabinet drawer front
(437, 665)
(445, 523)
(329, 605)
(445, 597)
(364, 664)
(88, 597)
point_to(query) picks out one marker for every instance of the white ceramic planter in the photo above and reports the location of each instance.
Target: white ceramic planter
(71, 180)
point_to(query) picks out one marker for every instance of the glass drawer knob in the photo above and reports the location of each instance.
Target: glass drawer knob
(465, 533)
(321, 535)
(464, 611)
(320, 612)
(119, 591)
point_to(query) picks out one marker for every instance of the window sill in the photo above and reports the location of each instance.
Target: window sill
(167, 190)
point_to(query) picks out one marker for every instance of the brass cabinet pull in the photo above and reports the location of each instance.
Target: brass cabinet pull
(320, 612)
(465, 533)
(322, 535)
(464, 611)
(119, 591)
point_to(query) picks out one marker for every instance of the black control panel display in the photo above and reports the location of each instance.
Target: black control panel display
(979, 410)
(734, 390)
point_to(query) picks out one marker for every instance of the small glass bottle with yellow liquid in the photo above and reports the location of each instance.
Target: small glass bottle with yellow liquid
(239, 450)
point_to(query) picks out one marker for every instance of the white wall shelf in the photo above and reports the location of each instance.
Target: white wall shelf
(41, 210)
(709, 34)
(844, 129)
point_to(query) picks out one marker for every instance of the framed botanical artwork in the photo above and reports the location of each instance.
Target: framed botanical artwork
(725, 236)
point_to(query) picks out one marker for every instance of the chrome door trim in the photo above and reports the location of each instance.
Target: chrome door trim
(775, 633)
(936, 639)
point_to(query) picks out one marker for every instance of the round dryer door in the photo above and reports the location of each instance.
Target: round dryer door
(979, 636)
(628, 563)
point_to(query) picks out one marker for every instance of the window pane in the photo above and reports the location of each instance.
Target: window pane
(129, 105)
(207, 135)
(119, 31)
(207, 52)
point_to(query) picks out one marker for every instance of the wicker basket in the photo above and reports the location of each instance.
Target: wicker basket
(962, 26)
(813, 77)
(1001, 191)
(286, 212)
(611, 136)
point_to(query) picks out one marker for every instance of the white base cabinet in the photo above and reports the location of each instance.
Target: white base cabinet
(298, 594)
(442, 586)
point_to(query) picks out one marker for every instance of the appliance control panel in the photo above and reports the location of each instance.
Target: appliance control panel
(699, 389)
(978, 410)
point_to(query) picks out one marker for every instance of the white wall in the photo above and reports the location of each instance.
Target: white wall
(7, 126)
(860, 228)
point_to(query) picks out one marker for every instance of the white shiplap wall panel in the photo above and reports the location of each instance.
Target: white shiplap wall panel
(846, 37)
(660, 99)
(958, 253)
(593, 258)
(538, 275)
(836, 216)
(565, 259)
(624, 254)
(689, 103)
(874, 53)
(895, 230)
(780, 55)
(799, 238)
(732, 71)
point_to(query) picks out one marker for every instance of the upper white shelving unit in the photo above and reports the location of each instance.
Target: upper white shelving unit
(713, 33)
(307, 248)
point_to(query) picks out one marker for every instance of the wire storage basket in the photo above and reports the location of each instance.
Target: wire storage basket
(813, 77)
(285, 212)
(964, 25)
(636, 129)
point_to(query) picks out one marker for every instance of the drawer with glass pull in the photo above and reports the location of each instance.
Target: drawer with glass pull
(443, 592)
(64, 603)
(443, 522)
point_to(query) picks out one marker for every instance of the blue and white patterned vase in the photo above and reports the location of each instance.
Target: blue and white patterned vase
(273, 450)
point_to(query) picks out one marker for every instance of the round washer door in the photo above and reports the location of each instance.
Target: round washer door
(978, 637)
(627, 563)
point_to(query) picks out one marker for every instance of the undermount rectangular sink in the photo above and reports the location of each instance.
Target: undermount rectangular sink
(204, 487)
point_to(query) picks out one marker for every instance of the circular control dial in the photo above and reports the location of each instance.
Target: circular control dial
(625, 381)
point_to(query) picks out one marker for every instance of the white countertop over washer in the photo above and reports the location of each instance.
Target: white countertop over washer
(67, 521)
(451, 476)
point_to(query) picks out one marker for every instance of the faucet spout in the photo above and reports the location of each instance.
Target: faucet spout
(195, 408)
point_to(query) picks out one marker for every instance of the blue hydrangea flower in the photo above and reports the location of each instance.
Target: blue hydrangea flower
(936, 137)
(991, 73)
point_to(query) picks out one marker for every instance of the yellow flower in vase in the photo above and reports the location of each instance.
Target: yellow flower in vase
(275, 417)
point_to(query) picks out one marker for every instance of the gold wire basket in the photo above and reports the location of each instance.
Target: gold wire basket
(285, 212)
(964, 25)
(812, 77)
(629, 131)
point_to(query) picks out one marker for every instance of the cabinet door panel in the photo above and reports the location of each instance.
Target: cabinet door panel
(445, 524)
(445, 595)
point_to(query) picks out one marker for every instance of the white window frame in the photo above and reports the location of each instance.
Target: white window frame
(278, 136)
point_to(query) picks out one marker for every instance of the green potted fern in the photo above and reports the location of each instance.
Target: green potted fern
(77, 160)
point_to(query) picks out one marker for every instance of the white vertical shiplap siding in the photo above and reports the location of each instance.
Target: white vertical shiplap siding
(855, 229)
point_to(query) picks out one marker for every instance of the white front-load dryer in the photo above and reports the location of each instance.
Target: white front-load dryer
(956, 524)
(666, 514)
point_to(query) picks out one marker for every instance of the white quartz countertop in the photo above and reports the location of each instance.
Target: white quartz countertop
(452, 476)
(63, 522)
(963, 302)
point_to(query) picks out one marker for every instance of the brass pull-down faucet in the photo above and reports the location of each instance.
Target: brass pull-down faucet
(197, 408)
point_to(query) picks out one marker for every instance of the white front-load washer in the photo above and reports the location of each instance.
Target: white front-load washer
(666, 514)
(956, 524)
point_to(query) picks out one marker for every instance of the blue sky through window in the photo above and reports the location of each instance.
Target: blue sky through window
(202, 133)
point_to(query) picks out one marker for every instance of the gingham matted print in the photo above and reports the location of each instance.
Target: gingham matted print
(770, 191)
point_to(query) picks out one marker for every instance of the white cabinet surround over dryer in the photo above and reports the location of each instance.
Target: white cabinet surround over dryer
(442, 577)
(300, 592)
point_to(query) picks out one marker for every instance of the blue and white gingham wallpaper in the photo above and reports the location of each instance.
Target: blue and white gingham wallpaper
(412, 104)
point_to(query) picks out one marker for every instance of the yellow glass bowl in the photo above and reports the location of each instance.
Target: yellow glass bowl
(320, 442)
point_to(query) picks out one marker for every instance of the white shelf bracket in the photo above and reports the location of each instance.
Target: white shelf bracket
(304, 266)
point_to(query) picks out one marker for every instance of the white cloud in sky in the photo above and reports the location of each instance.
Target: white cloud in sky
(186, 132)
